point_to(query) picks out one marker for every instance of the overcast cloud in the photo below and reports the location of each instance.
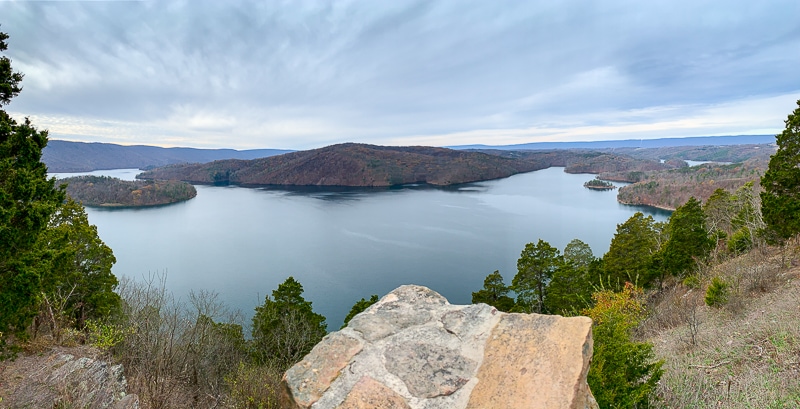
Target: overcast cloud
(294, 74)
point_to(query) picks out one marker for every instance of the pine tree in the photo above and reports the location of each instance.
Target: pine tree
(285, 327)
(630, 256)
(80, 265)
(780, 200)
(535, 269)
(689, 241)
(359, 307)
(494, 293)
(27, 200)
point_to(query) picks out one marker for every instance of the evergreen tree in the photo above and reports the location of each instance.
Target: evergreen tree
(494, 293)
(285, 327)
(9, 80)
(27, 200)
(535, 269)
(80, 265)
(359, 307)
(688, 239)
(569, 290)
(578, 253)
(630, 256)
(624, 373)
(780, 200)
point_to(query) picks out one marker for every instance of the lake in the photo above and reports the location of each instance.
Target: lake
(345, 244)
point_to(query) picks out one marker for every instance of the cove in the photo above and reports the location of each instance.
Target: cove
(345, 244)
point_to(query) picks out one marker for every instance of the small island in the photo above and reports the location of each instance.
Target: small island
(598, 184)
(104, 191)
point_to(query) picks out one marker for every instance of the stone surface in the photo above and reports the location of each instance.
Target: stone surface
(428, 370)
(544, 366)
(312, 376)
(412, 349)
(368, 393)
(59, 379)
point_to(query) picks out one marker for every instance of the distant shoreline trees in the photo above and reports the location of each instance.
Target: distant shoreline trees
(101, 191)
(598, 184)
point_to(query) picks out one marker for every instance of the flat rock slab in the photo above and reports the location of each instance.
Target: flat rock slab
(413, 349)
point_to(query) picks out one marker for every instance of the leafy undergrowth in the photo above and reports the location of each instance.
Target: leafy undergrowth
(744, 354)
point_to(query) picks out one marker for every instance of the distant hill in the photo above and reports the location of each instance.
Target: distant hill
(635, 143)
(353, 164)
(717, 153)
(64, 156)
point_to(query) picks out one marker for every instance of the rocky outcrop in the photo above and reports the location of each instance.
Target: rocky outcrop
(61, 380)
(412, 349)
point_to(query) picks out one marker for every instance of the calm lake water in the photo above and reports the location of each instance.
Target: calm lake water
(343, 245)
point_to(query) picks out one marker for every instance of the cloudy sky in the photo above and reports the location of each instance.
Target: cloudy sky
(296, 74)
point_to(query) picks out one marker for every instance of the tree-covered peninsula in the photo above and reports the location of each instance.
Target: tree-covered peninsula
(351, 164)
(107, 191)
(669, 189)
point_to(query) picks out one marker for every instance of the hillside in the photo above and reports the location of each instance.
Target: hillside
(723, 153)
(669, 189)
(634, 143)
(64, 156)
(106, 191)
(743, 354)
(587, 161)
(356, 165)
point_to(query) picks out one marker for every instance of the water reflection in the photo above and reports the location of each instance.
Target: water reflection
(343, 244)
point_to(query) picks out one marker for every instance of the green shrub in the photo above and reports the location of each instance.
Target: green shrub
(254, 387)
(692, 281)
(104, 336)
(740, 241)
(623, 373)
(717, 293)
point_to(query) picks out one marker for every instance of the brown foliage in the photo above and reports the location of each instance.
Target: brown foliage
(108, 191)
(672, 188)
(353, 165)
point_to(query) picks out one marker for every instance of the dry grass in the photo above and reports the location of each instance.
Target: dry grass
(743, 355)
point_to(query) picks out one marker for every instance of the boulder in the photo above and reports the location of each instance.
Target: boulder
(413, 349)
(60, 379)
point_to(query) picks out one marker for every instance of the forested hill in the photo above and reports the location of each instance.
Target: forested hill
(356, 165)
(64, 156)
(634, 143)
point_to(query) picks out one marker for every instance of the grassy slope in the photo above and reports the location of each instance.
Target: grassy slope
(743, 355)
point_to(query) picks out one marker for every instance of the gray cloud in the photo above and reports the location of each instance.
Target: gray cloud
(304, 74)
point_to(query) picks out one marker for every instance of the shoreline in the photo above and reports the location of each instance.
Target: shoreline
(666, 208)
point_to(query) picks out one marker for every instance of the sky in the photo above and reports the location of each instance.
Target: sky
(305, 74)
